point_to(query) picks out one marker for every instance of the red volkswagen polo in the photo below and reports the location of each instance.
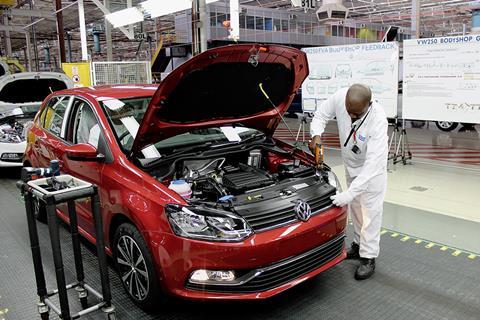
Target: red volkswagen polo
(198, 199)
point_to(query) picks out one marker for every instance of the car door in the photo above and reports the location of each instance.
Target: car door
(83, 127)
(48, 138)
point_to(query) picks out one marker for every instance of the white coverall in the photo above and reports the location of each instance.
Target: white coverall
(366, 172)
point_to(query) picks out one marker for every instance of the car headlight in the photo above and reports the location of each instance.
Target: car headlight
(10, 137)
(334, 182)
(207, 224)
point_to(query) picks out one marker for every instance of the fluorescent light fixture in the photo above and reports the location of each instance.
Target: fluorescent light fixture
(125, 17)
(156, 8)
(211, 1)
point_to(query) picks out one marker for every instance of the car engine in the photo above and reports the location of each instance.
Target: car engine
(216, 179)
(12, 131)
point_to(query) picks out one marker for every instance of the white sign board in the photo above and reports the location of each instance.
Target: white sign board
(441, 79)
(336, 67)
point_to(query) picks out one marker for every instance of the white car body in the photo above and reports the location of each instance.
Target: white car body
(12, 110)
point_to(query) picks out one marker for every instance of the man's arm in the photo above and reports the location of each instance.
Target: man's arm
(376, 159)
(323, 114)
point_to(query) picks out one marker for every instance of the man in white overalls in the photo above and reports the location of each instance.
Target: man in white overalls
(362, 126)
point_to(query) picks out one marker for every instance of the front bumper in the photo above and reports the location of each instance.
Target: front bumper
(17, 148)
(286, 256)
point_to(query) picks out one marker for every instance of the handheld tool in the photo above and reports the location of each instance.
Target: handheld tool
(319, 156)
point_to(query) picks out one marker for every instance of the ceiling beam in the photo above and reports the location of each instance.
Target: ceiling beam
(128, 33)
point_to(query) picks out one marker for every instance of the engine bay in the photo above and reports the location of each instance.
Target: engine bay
(244, 177)
(13, 130)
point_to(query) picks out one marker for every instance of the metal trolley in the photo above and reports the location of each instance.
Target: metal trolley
(53, 191)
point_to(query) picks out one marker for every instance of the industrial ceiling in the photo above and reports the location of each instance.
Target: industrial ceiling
(448, 17)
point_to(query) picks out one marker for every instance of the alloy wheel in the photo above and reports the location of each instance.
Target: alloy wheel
(132, 267)
(445, 124)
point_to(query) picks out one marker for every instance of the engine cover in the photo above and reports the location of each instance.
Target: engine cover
(240, 179)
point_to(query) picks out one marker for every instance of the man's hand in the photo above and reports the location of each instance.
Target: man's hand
(342, 199)
(315, 140)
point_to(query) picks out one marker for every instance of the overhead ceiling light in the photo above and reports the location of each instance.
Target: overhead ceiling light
(125, 17)
(211, 1)
(157, 8)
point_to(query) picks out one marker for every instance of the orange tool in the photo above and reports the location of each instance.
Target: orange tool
(319, 155)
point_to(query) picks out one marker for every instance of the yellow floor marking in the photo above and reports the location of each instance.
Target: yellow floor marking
(444, 248)
(430, 245)
(405, 238)
(456, 253)
(418, 241)
(383, 232)
(394, 235)
(472, 256)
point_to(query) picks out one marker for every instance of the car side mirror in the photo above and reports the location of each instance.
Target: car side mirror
(84, 152)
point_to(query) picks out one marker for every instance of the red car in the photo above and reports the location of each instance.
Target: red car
(198, 199)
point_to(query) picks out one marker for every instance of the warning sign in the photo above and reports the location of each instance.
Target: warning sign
(79, 73)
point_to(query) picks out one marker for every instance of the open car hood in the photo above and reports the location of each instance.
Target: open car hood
(30, 88)
(222, 86)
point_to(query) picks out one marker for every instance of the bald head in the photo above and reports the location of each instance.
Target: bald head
(358, 100)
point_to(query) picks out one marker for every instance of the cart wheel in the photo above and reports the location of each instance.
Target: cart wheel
(44, 316)
(84, 302)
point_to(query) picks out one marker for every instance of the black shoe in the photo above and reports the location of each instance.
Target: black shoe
(366, 269)
(354, 251)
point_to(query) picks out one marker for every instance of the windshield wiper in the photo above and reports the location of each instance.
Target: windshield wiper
(244, 141)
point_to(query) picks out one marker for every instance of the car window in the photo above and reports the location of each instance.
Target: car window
(54, 113)
(125, 116)
(85, 125)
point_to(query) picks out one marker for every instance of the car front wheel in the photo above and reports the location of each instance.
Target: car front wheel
(135, 267)
(446, 125)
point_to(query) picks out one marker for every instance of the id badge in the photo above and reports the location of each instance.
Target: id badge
(356, 149)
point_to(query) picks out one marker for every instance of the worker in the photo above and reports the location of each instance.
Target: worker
(362, 126)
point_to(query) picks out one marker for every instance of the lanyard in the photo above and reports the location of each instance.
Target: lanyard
(355, 128)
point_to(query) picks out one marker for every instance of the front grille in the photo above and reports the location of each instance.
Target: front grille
(281, 272)
(11, 157)
(271, 218)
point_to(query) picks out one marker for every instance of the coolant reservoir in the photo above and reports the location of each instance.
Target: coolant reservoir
(181, 187)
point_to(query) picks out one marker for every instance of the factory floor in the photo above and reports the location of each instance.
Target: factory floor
(427, 269)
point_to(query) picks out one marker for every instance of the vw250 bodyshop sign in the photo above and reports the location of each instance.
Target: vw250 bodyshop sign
(441, 79)
(336, 67)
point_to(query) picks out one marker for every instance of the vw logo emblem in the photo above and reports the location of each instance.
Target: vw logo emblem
(303, 211)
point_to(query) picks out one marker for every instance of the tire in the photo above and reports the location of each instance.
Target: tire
(446, 125)
(142, 284)
(39, 210)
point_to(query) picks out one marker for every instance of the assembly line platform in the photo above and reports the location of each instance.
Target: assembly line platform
(415, 279)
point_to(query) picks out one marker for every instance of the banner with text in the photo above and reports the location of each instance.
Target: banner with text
(441, 79)
(336, 67)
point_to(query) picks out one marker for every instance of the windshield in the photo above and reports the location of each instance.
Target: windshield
(125, 116)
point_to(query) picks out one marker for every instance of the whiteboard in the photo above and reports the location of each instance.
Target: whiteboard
(441, 79)
(336, 67)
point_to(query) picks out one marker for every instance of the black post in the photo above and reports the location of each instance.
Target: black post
(34, 245)
(57, 258)
(77, 251)
(100, 242)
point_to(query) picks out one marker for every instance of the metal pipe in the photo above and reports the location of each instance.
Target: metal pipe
(60, 30)
(100, 244)
(52, 306)
(77, 251)
(204, 22)
(34, 35)
(35, 247)
(415, 18)
(27, 51)
(57, 258)
(93, 291)
(83, 30)
(69, 46)
(108, 33)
